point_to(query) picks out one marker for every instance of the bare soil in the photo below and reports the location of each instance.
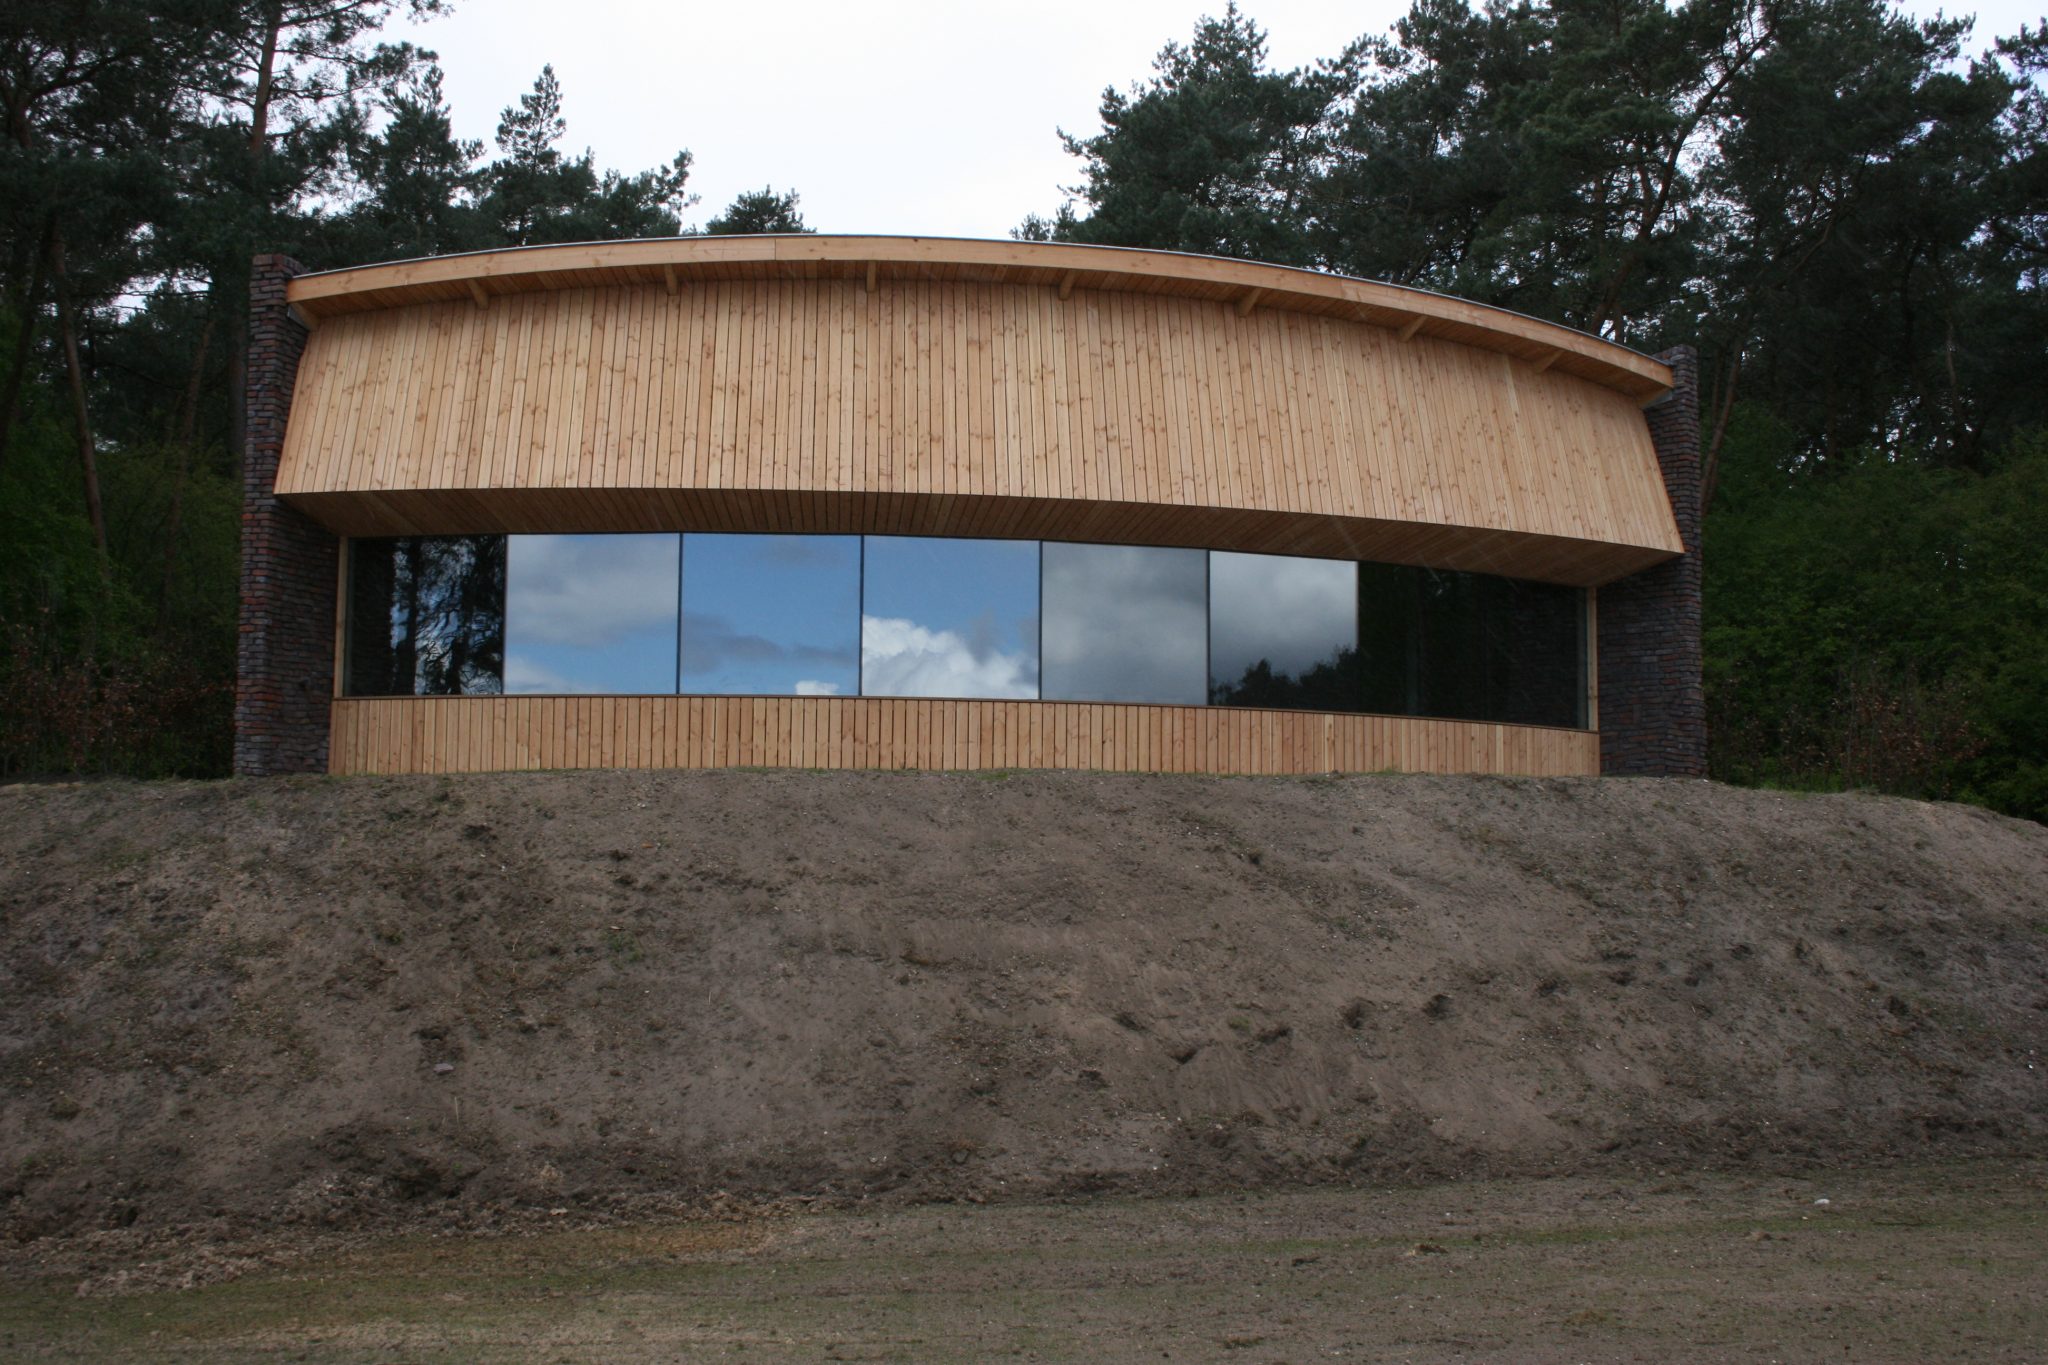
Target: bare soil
(313, 1008)
(1899, 1264)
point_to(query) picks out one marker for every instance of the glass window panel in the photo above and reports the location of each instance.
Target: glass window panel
(1459, 674)
(1283, 632)
(1465, 646)
(591, 614)
(1125, 623)
(1389, 635)
(1541, 629)
(773, 615)
(426, 617)
(949, 618)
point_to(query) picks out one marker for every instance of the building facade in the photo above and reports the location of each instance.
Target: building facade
(898, 502)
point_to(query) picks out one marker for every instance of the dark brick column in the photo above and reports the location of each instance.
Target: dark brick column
(284, 660)
(1653, 709)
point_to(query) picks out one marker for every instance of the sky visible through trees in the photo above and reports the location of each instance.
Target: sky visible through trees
(844, 106)
(1845, 209)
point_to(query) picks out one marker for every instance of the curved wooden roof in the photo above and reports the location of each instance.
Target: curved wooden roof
(574, 389)
(678, 262)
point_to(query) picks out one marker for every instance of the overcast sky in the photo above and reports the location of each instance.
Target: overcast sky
(892, 116)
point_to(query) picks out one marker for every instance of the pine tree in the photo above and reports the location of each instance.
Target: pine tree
(758, 211)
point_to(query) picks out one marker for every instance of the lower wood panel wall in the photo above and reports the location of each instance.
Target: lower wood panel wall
(488, 734)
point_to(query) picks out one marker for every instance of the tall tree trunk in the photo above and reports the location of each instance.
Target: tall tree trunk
(24, 344)
(405, 655)
(1724, 406)
(238, 386)
(259, 151)
(266, 78)
(182, 438)
(88, 464)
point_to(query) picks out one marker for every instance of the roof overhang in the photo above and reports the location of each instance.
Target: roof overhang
(676, 263)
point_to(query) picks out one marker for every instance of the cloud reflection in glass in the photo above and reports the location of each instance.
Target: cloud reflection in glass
(950, 618)
(1125, 623)
(771, 615)
(1283, 631)
(591, 614)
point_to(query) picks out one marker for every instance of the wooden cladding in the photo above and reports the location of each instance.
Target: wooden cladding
(483, 734)
(1550, 559)
(963, 408)
(683, 262)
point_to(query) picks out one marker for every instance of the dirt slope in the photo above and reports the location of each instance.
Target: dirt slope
(321, 1001)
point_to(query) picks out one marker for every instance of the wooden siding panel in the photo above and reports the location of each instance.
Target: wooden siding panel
(507, 276)
(487, 734)
(968, 409)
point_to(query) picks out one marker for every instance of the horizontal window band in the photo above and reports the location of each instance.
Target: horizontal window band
(923, 618)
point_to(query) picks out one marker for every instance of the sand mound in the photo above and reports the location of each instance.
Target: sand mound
(322, 1001)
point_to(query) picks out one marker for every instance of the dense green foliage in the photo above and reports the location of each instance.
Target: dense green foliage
(1843, 214)
(1841, 210)
(151, 148)
(761, 210)
(1884, 626)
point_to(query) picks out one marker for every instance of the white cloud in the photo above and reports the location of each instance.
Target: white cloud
(1291, 612)
(524, 675)
(900, 658)
(589, 591)
(811, 687)
(1125, 623)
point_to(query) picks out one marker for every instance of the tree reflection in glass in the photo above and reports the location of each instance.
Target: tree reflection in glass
(1541, 629)
(591, 614)
(1468, 646)
(949, 618)
(771, 615)
(426, 617)
(1125, 623)
(1283, 632)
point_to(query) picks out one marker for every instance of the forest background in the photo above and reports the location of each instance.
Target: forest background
(1843, 211)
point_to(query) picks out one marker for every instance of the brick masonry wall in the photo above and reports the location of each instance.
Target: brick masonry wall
(284, 659)
(1653, 709)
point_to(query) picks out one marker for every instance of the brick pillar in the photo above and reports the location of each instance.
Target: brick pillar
(284, 658)
(1653, 708)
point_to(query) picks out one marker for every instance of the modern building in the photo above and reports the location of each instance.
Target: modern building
(901, 502)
